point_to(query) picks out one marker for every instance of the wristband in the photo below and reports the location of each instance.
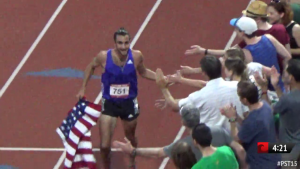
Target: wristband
(133, 153)
(233, 119)
(206, 51)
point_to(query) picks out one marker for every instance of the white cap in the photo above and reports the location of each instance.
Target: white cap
(245, 24)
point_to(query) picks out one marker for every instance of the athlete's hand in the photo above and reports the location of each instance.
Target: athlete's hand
(195, 49)
(80, 93)
(161, 80)
(161, 104)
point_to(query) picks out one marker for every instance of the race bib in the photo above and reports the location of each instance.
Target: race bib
(119, 91)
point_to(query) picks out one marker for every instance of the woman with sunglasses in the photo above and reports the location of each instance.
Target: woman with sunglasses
(281, 12)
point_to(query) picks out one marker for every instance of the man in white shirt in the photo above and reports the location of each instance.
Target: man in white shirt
(216, 93)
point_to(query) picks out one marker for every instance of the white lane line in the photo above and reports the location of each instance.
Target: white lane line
(136, 37)
(60, 160)
(40, 149)
(31, 49)
(233, 35)
(179, 135)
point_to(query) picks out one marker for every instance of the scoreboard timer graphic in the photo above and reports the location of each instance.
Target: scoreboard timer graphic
(266, 147)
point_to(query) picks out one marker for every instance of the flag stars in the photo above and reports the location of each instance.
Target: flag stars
(76, 113)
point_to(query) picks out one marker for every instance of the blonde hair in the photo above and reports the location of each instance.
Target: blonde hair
(235, 52)
(238, 67)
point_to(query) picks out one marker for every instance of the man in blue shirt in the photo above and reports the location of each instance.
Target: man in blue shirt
(258, 126)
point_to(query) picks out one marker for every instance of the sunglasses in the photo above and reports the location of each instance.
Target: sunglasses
(275, 1)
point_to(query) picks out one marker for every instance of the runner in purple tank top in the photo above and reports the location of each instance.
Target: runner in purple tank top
(119, 90)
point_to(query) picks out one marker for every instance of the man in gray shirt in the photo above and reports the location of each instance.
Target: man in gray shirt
(189, 117)
(288, 108)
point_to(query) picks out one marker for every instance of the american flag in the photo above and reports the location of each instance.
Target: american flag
(75, 132)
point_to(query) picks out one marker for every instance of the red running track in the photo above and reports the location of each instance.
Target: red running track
(32, 107)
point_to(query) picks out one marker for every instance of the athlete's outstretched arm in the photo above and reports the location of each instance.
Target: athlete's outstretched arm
(143, 71)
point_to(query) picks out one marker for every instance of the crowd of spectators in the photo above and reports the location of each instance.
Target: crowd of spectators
(258, 100)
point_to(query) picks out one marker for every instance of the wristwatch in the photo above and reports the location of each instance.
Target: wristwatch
(133, 153)
(232, 119)
(206, 51)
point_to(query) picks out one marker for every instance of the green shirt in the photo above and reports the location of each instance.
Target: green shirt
(222, 158)
(296, 10)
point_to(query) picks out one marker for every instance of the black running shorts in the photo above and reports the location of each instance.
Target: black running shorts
(127, 110)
